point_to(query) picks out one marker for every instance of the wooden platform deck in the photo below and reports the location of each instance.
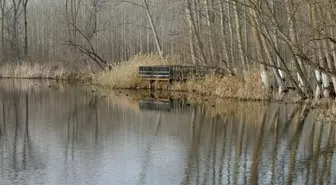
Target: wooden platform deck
(172, 72)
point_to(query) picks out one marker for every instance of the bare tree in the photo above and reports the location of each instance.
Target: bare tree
(156, 37)
(16, 8)
(86, 47)
(25, 3)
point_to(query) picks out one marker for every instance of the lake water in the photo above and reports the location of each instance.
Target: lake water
(58, 134)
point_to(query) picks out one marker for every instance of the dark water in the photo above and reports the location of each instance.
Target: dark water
(67, 135)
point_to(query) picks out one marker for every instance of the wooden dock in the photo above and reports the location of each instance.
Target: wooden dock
(170, 73)
(174, 72)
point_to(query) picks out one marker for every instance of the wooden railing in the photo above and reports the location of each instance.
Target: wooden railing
(171, 72)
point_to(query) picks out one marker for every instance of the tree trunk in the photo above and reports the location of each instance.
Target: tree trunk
(263, 69)
(3, 5)
(333, 45)
(297, 60)
(323, 57)
(281, 84)
(15, 39)
(276, 44)
(319, 84)
(246, 49)
(156, 37)
(263, 46)
(210, 21)
(194, 30)
(25, 3)
(226, 57)
(231, 34)
(192, 47)
(239, 37)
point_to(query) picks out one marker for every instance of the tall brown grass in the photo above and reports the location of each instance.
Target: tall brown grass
(125, 76)
(27, 70)
(227, 86)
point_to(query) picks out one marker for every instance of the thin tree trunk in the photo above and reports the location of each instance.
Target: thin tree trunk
(25, 3)
(297, 60)
(194, 30)
(210, 21)
(192, 47)
(325, 79)
(322, 59)
(319, 84)
(276, 42)
(263, 69)
(156, 37)
(327, 63)
(282, 87)
(239, 37)
(197, 20)
(327, 49)
(246, 35)
(15, 41)
(231, 34)
(264, 45)
(3, 5)
(227, 59)
(317, 56)
(333, 47)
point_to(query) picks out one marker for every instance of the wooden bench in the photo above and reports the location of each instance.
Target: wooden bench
(170, 73)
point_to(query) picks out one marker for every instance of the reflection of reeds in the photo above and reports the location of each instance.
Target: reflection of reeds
(127, 99)
(249, 110)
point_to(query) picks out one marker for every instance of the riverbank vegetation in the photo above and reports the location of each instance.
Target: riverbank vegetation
(266, 47)
(54, 71)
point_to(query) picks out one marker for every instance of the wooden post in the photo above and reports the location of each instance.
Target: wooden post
(151, 84)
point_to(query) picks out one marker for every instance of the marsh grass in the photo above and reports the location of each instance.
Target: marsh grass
(27, 70)
(228, 86)
(125, 74)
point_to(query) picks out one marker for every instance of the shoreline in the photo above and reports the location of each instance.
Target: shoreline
(200, 97)
(324, 109)
(210, 89)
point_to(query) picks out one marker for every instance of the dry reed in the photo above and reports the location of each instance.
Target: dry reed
(125, 75)
(26, 70)
(227, 87)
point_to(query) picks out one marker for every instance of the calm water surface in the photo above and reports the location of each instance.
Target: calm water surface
(69, 135)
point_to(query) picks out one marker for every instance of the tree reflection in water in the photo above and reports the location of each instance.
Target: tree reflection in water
(76, 137)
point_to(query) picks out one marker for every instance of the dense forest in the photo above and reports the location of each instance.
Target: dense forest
(291, 41)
